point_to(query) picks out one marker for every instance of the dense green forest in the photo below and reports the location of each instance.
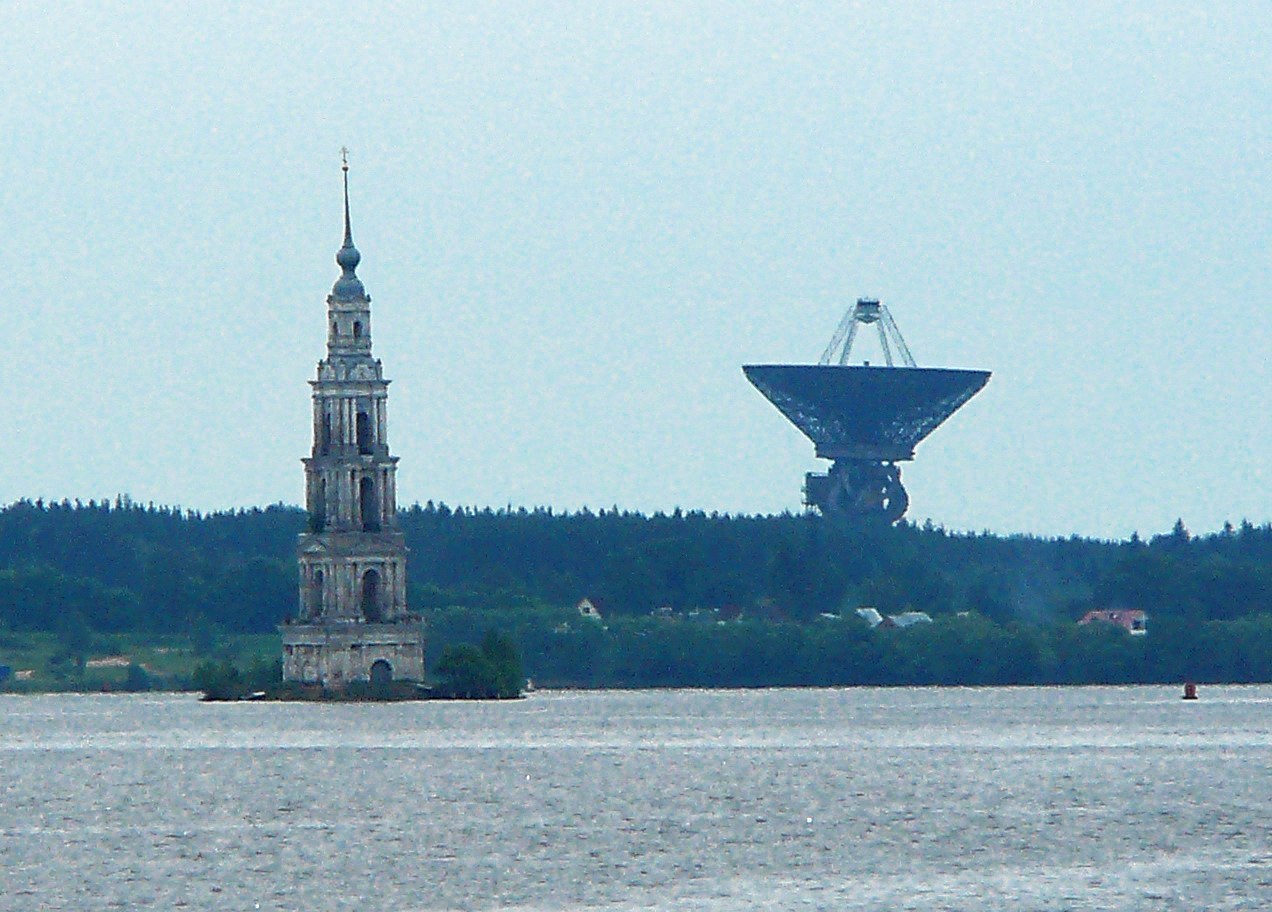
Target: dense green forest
(1005, 607)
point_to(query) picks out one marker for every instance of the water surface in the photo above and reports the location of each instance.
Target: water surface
(873, 799)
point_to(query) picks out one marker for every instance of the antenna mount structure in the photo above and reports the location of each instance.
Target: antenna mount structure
(865, 419)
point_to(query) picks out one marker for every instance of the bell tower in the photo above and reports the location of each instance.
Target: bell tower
(353, 623)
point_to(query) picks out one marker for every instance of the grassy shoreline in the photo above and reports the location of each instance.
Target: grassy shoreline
(558, 651)
(40, 662)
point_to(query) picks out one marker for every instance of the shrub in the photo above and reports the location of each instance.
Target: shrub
(489, 673)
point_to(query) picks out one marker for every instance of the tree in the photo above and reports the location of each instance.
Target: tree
(76, 637)
(492, 672)
(136, 679)
(219, 681)
(466, 674)
(501, 652)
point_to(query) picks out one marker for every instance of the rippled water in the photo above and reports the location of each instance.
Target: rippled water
(1037, 799)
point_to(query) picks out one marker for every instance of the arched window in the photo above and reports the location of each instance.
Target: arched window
(335, 328)
(357, 329)
(324, 435)
(364, 432)
(371, 597)
(369, 509)
(315, 594)
(318, 509)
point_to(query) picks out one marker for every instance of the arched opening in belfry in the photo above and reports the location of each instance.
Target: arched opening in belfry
(371, 597)
(325, 443)
(364, 433)
(315, 594)
(381, 673)
(318, 509)
(335, 328)
(368, 508)
(357, 329)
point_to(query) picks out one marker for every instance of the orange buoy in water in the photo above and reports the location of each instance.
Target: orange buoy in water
(1190, 691)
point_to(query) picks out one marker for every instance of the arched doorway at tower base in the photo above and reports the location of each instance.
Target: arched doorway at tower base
(381, 673)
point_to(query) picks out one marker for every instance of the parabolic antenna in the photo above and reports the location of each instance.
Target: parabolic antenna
(866, 419)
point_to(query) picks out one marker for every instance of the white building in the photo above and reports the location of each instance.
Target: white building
(871, 616)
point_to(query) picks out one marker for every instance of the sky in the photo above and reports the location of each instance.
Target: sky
(579, 220)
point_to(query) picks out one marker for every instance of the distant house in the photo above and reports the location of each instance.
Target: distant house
(871, 616)
(908, 619)
(589, 608)
(1132, 620)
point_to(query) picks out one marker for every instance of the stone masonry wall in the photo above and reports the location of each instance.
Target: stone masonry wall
(337, 654)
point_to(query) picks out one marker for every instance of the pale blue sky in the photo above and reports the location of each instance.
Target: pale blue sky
(578, 220)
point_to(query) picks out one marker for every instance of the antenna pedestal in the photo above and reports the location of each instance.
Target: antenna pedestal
(858, 489)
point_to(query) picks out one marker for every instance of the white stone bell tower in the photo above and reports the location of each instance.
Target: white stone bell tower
(353, 622)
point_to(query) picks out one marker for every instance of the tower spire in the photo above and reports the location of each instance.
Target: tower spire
(348, 287)
(344, 166)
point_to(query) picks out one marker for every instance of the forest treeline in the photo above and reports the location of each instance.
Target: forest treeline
(116, 566)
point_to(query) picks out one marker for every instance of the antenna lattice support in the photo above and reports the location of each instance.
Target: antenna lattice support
(867, 312)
